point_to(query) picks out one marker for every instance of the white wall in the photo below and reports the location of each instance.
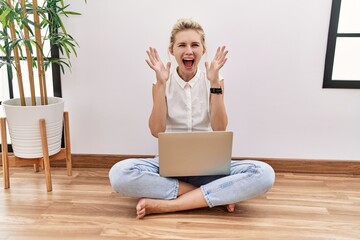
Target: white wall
(274, 96)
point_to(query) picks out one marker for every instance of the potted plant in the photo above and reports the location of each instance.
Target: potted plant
(28, 29)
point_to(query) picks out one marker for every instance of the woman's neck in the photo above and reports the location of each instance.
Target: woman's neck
(185, 76)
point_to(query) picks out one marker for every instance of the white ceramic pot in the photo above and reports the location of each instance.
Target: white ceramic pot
(24, 129)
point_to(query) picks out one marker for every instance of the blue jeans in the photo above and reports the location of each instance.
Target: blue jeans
(140, 178)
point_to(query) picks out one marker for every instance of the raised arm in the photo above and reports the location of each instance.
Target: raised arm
(157, 120)
(218, 116)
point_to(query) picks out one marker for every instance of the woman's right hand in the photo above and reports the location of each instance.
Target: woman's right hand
(155, 63)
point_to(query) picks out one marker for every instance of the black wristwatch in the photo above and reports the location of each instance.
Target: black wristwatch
(216, 90)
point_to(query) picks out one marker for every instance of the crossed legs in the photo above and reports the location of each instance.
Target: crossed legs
(189, 197)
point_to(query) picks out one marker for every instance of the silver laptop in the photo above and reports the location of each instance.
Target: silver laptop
(195, 153)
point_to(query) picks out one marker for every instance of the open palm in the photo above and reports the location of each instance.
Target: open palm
(212, 69)
(155, 63)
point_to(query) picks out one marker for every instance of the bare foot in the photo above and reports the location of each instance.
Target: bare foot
(147, 206)
(230, 207)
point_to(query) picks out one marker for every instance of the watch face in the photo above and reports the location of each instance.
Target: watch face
(216, 90)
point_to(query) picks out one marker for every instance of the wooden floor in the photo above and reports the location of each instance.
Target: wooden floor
(300, 206)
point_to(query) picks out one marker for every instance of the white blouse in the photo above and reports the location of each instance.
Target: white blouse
(188, 103)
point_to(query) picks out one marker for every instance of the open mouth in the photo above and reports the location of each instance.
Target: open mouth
(188, 62)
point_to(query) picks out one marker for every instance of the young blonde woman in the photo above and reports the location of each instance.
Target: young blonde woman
(188, 99)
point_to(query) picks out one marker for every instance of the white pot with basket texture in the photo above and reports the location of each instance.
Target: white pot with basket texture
(24, 128)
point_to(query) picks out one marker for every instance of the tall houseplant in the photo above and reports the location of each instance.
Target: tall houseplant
(28, 26)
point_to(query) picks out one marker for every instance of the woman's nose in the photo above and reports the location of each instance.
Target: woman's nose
(188, 49)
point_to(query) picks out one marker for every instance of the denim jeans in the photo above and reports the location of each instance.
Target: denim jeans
(140, 178)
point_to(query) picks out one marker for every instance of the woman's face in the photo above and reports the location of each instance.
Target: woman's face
(187, 50)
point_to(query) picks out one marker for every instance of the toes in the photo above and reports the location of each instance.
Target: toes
(141, 214)
(140, 209)
(230, 208)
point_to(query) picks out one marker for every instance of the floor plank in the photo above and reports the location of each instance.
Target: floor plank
(83, 206)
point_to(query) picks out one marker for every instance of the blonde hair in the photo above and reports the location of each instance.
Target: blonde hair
(186, 24)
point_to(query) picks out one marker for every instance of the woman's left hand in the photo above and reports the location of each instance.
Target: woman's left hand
(212, 69)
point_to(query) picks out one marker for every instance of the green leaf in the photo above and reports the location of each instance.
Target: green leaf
(71, 13)
(4, 16)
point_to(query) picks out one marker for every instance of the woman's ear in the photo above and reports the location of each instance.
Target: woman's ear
(171, 51)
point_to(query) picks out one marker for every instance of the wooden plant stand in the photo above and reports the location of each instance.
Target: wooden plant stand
(44, 162)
